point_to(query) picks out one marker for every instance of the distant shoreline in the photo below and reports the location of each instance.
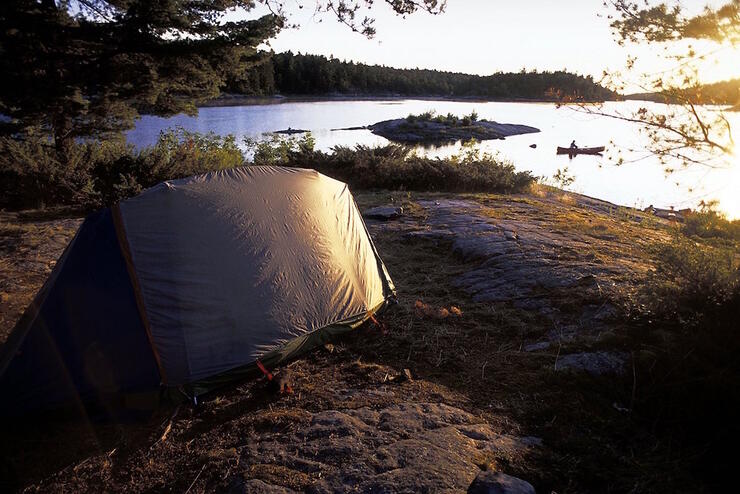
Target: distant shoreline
(241, 100)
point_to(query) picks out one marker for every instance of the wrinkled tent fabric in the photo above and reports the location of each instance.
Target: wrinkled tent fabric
(209, 274)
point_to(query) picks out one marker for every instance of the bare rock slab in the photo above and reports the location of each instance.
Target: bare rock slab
(489, 482)
(407, 447)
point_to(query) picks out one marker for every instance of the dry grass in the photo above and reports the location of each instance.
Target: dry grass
(29, 249)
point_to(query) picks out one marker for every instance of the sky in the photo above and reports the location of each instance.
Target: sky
(486, 36)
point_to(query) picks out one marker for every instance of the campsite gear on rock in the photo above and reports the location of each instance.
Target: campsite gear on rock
(186, 285)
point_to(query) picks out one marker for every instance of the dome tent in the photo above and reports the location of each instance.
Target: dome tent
(191, 282)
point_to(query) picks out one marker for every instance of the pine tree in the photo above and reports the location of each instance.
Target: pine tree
(87, 68)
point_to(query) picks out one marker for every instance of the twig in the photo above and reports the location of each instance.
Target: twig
(196, 478)
(634, 383)
(167, 429)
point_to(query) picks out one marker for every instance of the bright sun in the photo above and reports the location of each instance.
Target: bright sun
(722, 65)
(729, 194)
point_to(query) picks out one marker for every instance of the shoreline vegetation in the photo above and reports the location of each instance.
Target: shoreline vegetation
(102, 173)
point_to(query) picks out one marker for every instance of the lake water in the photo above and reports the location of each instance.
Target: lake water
(639, 182)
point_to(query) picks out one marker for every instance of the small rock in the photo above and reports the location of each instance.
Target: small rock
(535, 347)
(595, 363)
(531, 440)
(407, 373)
(383, 213)
(241, 486)
(489, 482)
(533, 146)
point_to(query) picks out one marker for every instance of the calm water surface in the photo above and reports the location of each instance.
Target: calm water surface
(639, 182)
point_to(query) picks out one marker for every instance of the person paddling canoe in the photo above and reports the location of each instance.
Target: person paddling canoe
(573, 144)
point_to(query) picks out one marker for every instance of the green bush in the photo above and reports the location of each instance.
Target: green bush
(709, 223)
(32, 177)
(449, 119)
(275, 150)
(102, 173)
(396, 167)
(692, 280)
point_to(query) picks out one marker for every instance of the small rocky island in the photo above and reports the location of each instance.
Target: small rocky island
(290, 131)
(432, 129)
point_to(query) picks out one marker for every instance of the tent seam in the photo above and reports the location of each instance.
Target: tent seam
(138, 295)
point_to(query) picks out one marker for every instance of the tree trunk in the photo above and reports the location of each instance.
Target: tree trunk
(63, 140)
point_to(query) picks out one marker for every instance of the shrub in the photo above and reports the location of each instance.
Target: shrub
(398, 168)
(179, 153)
(709, 223)
(449, 119)
(687, 371)
(692, 280)
(31, 175)
(102, 173)
(276, 149)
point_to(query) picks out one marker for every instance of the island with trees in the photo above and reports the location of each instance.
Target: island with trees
(438, 129)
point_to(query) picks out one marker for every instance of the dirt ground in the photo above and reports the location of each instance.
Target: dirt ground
(531, 378)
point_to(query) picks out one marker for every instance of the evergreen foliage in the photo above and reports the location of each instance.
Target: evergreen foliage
(298, 74)
(75, 69)
(100, 173)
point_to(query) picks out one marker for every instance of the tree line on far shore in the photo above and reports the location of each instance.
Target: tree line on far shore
(298, 74)
(716, 93)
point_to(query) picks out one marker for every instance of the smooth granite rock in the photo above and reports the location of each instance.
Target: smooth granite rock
(489, 482)
(595, 363)
(383, 213)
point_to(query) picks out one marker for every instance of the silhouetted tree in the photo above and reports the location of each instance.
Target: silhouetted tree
(87, 68)
(316, 74)
(685, 132)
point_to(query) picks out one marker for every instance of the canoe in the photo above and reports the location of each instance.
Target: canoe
(594, 150)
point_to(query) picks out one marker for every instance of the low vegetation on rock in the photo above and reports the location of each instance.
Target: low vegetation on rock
(102, 173)
(396, 167)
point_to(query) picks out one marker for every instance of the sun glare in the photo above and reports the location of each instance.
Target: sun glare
(722, 65)
(726, 184)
